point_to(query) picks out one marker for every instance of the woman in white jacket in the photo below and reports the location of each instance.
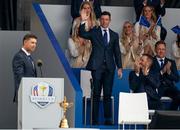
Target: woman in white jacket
(148, 36)
(129, 45)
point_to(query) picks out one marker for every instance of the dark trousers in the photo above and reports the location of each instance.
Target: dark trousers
(102, 78)
(155, 104)
(174, 94)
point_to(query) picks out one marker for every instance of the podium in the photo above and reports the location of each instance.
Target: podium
(38, 103)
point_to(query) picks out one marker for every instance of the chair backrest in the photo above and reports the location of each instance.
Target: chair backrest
(133, 107)
(85, 82)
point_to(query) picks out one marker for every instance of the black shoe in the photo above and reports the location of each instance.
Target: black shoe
(108, 123)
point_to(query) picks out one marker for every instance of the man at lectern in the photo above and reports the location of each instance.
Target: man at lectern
(23, 64)
(104, 59)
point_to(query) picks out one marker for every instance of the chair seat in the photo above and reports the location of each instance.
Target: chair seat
(136, 122)
(151, 112)
(166, 99)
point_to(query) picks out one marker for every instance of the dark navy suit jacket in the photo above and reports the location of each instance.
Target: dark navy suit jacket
(75, 6)
(138, 5)
(22, 67)
(143, 83)
(167, 80)
(110, 53)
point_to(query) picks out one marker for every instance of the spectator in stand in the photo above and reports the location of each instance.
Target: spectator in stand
(148, 34)
(159, 7)
(143, 79)
(75, 7)
(176, 46)
(168, 75)
(79, 49)
(91, 21)
(129, 45)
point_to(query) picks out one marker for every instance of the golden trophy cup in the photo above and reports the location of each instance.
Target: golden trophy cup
(64, 104)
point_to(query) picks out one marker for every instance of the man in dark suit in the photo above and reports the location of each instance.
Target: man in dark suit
(23, 65)
(75, 6)
(168, 75)
(105, 56)
(143, 79)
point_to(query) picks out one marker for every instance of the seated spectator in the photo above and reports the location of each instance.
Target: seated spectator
(143, 79)
(159, 7)
(129, 45)
(75, 7)
(79, 49)
(168, 75)
(148, 34)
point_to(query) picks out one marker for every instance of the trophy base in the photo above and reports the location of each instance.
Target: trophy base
(64, 123)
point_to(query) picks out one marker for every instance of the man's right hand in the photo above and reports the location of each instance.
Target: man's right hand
(137, 66)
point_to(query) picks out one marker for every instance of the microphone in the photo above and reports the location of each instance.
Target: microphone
(39, 64)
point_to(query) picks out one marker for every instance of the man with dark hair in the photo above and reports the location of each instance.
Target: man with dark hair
(143, 79)
(22, 64)
(104, 59)
(168, 75)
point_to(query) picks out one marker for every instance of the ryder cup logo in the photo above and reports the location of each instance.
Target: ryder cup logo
(42, 94)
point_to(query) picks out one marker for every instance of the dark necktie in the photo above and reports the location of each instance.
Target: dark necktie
(31, 60)
(105, 38)
(161, 63)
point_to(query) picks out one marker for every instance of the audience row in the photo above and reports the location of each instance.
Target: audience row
(134, 40)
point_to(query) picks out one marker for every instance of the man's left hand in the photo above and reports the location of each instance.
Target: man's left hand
(119, 73)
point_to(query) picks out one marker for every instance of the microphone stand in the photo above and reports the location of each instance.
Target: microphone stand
(40, 68)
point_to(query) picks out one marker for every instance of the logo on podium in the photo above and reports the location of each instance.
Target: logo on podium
(42, 94)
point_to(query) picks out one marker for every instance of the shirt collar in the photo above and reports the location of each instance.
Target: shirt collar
(24, 50)
(160, 58)
(102, 29)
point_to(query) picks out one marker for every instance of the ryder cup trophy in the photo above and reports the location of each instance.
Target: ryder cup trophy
(64, 104)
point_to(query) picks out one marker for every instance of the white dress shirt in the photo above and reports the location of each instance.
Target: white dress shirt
(108, 34)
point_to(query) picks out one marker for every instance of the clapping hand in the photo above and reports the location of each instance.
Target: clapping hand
(145, 2)
(162, 2)
(167, 68)
(137, 66)
(154, 36)
(145, 70)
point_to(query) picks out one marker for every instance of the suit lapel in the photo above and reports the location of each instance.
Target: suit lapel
(29, 61)
(100, 36)
(110, 37)
(157, 63)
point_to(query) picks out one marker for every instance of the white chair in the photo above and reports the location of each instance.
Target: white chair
(86, 88)
(133, 109)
